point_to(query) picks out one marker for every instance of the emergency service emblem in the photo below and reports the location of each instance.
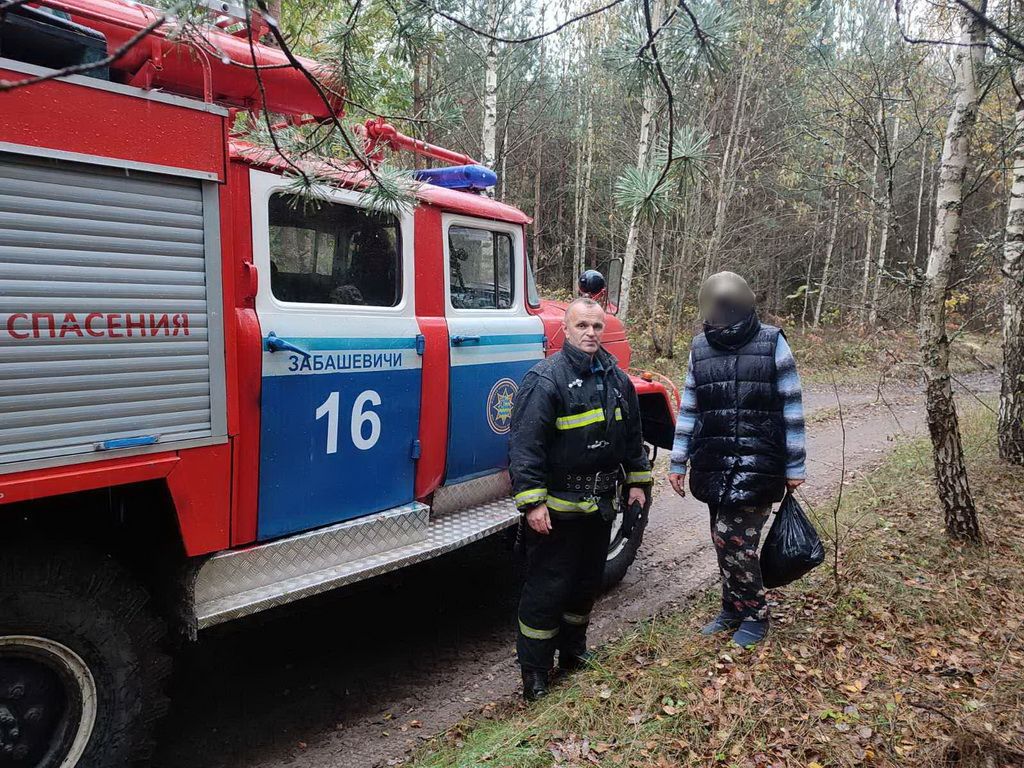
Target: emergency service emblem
(499, 405)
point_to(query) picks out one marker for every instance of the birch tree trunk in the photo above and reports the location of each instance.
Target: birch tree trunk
(830, 244)
(887, 212)
(869, 237)
(490, 116)
(961, 516)
(538, 167)
(633, 236)
(585, 165)
(649, 103)
(1011, 394)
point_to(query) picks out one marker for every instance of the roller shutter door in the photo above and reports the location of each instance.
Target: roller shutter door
(109, 310)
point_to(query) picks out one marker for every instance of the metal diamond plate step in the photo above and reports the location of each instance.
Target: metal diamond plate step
(236, 584)
(471, 493)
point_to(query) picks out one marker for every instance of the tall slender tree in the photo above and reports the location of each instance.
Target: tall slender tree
(961, 515)
(1011, 394)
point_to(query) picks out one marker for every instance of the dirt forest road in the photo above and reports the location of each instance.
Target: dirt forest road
(358, 679)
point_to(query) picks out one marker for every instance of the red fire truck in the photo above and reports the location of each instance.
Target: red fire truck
(215, 399)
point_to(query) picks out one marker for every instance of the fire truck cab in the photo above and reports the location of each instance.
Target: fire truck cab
(217, 396)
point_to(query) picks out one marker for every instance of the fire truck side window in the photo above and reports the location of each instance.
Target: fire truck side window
(481, 268)
(331, 253)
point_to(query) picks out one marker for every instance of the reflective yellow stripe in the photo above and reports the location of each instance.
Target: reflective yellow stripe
(537, 634)
(577, 619)
(580, 419)
(561, 505)
(639, 477)
(530, 496)
(618, 414)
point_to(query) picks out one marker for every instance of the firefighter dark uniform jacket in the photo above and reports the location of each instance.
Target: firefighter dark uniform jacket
(575, 421)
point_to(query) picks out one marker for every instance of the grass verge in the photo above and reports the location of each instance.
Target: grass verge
(911, 653)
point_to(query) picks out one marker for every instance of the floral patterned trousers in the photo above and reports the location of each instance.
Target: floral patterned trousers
(736, 532)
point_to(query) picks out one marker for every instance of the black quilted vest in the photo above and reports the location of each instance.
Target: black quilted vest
(738, 448)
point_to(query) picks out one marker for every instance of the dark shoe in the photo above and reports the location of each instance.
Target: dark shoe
(535, 684)
(572, 662)
(723, 622)
(751, 632)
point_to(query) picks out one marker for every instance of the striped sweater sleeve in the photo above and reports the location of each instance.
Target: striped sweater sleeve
(684, 424)
(789, 390)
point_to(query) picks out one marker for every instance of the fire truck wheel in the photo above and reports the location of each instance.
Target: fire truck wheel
(622, 549)
(82, 665)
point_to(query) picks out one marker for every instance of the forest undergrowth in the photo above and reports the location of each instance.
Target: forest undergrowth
(854, 355)
(906, 650)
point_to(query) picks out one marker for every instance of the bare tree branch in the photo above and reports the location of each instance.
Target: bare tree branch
(516, 40)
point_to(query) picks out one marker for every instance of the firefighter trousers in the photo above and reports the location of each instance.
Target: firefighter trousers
(564, 569)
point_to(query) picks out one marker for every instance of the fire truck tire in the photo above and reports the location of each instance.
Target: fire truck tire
(622, 549)
(82, 661)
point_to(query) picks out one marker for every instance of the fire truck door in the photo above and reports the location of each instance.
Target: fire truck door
(494, 341)
(341, 371)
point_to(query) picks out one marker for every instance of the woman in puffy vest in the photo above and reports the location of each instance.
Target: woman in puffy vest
(741, 430)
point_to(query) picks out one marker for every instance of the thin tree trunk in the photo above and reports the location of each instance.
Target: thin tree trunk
(829, 248)
(810, 263)
(922, 215)
(711, 256)
(920, 202)
(869, 237)
(588, 169)
(930, 208)
(490, 116)
(538, 161)
(1011, 394)
(657, 258)
(643, 150)
(503, 173)
(681, 261)
(538, 166)
(887, 214)
(675, 308)
(830, 244)
(577, 201)
(961, 516)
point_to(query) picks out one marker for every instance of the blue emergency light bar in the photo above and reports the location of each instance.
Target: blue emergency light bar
(464, 177)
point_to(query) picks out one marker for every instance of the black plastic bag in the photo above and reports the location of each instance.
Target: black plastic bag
(792, 547)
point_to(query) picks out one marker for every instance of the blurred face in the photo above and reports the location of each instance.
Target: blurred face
(584, 327)
(725, 313)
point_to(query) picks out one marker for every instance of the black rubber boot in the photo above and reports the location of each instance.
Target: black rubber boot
(571, 662)
(535, 683)
(751, 632)
(723, 622)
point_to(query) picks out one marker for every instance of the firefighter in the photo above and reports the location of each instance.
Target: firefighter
(575, 437)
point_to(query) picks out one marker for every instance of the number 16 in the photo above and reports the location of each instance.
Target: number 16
(360, 416)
